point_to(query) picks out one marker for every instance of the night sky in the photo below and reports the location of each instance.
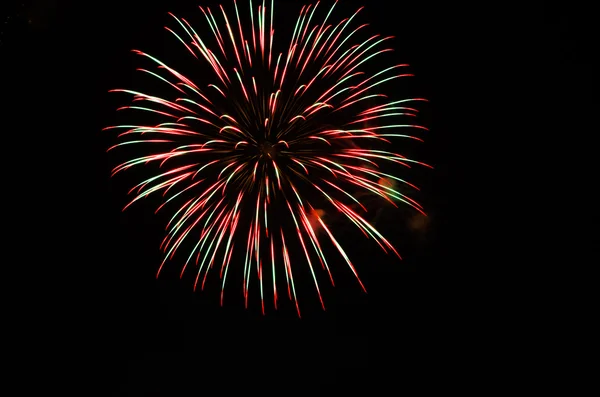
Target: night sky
(129, 334)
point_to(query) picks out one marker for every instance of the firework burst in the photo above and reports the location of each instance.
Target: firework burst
(250, 161)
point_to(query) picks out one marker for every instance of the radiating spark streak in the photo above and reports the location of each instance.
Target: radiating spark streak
(147, 110)
(179, 38)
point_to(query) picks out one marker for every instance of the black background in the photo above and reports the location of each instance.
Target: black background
(122, 332)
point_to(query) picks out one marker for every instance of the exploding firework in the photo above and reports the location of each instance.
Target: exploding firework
(254, 150)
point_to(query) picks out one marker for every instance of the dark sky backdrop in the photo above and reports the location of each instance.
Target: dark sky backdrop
(133, 335)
